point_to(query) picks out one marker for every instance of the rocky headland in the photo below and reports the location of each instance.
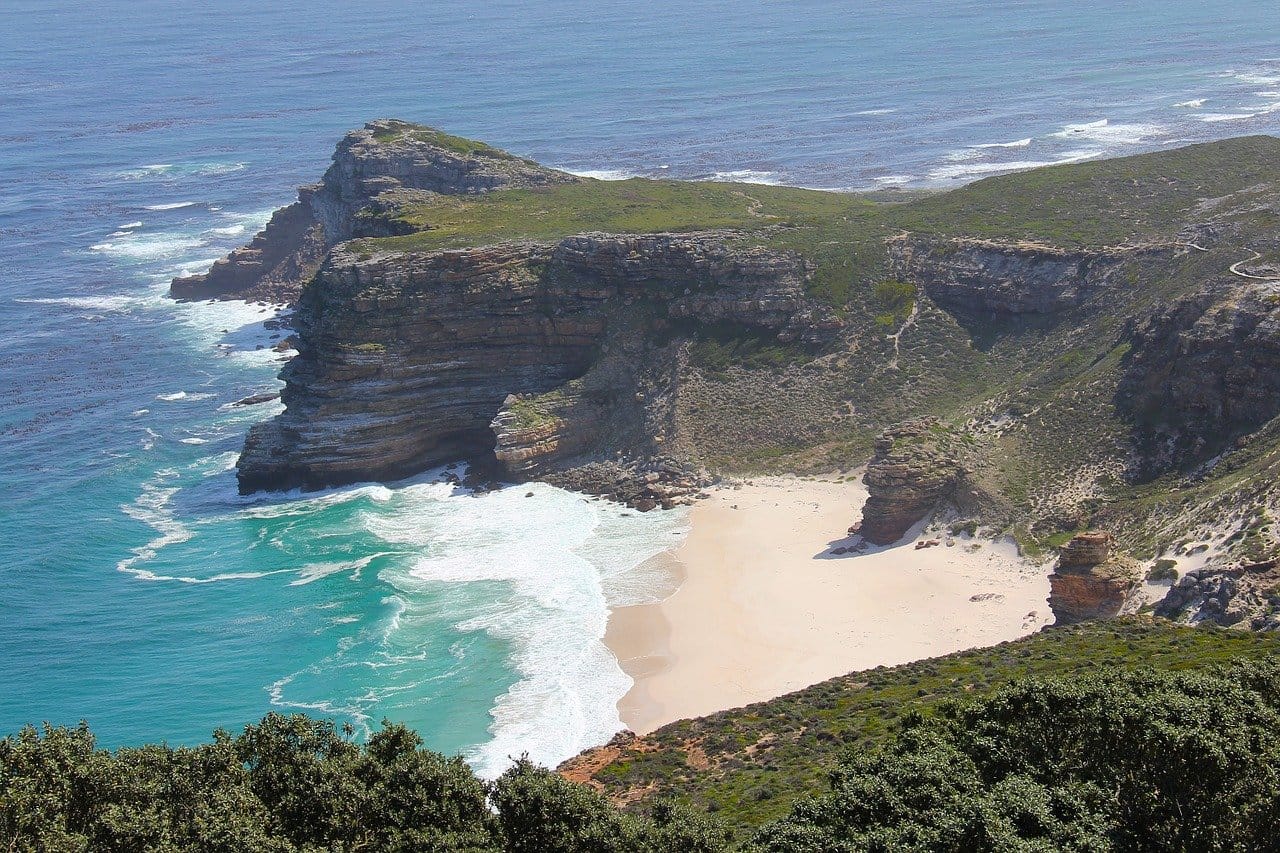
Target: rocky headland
(374, 169)
(1094, 348)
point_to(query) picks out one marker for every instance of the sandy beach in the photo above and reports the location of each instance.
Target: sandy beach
(764, 608)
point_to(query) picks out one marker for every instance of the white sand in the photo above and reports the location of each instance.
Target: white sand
(765, 609)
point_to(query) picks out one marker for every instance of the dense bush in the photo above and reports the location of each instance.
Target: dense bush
(1110, 761)
(1104, 762)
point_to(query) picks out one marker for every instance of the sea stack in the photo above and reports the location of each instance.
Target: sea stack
(1090, 581)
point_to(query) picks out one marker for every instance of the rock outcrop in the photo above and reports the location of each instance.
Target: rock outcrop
(1246, 595)
(410, 360)
(1090, 582)
(915, 469)
(372, 167)
(271, 268)
(988, 277)
(1202, 372)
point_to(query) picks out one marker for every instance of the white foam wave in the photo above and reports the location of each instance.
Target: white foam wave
(129, 226)
(194, 440)
(151, 507)
(315, 571)
(177, 171)
(1258, 79)
(173, 205)
(142, 247)
(1214, 118)
(603, 174)
(970, 170)
(892, 180)
(1104, 131)
(1017, 143)
(562, 559)
(119, 302)
(747, 176)
(1193, 104)
(182, 395)
(882, 111)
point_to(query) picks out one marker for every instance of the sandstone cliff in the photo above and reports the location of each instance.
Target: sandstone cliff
(1090, 581)
(372, 168)
(1005, 277)
(1202, 372)
(409, 360)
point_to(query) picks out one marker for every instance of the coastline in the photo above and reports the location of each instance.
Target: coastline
(764, 608)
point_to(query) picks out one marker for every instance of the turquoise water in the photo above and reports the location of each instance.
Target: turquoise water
(144, 139)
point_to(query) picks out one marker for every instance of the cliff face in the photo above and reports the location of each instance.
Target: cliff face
(993, 277)
(384, 161)
(1203, 371)
(410, 360)
(913, 472)
(1090, 582)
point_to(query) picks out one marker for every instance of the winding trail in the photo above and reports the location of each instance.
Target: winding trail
(896, 337)
(753, 205)
(1234, 269)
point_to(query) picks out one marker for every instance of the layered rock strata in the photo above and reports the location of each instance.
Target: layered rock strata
(989, 277)
(913, 472)
(1090, 581)
(372, 167)
(410, 360)
(1201, 372)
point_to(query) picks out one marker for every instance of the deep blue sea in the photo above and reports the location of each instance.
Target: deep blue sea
(142, 139)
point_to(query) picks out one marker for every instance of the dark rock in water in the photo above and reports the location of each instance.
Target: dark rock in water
(255, 399)
(1090, 582)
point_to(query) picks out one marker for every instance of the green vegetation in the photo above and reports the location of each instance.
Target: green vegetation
(294, 784)
(1106, 202)
(1111, 761)
(457, 144)
(537, 411)
(635, 206)
(751, 765)
(1163, 570)
(898, 298)
(717, 346)
(1103, 202)
(1132, 736)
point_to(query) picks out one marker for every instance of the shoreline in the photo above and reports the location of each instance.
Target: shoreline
(763, 607)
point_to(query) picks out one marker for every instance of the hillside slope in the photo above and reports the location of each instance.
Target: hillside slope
(751, 765)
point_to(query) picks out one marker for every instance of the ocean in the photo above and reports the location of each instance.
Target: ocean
(144, 139)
